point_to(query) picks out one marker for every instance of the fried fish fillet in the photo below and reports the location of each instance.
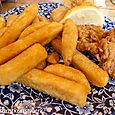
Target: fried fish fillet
(22, 21)
(21, 64)
(55, 86)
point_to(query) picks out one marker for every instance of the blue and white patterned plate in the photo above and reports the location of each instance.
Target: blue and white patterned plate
(21, 100)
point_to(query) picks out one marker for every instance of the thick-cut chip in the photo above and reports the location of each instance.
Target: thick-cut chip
(11, 19)
(55, 86)
(2, 31)
(69, 41)
(22, 21)
(47, 33)
(93, 72)
(21, 64)
(36, 20)
(58, 13)
(32, 28)
(41, 65)
(57, 44)
(43, 19)
(2, 22)
(43, 36)
(53, 58)
(69, 73)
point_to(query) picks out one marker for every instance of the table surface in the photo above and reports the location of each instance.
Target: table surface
(108, 11)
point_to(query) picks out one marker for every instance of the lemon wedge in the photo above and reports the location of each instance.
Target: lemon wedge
(85, 15)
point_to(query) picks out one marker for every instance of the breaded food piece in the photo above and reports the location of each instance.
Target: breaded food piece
(58, 13)
(69, 41)
(2, 22)
(22, 21)
(43, 36)
(41, 65)
(89, 37)
(11, 19)
(36, 20)
(109, 35)
(57, 44)
(107, 55)
(32, 28)
(100, 43)
(93, 72)
(21, 64)
(107, 52)
(53, 58)
(55, 86)
(69, 73)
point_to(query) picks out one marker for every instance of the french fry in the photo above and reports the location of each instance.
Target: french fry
(32, 28)
(58, 13)
(69, 41)
(55, 86)
(11, 19)
(53, 58)
(36, 20)
(69, 73)
(57, 44)
(47, 34)
(43, 19)
(2, 22)
(21, 64)
(2, 31)
(41, 65)
(93, 72)
(22, 21)
(43, 36)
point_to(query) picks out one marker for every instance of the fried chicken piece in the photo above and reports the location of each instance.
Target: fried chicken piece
(110, 35)
(100, 43)
(89, 36)
(107, 52)
(72, 3)
(107, 55)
